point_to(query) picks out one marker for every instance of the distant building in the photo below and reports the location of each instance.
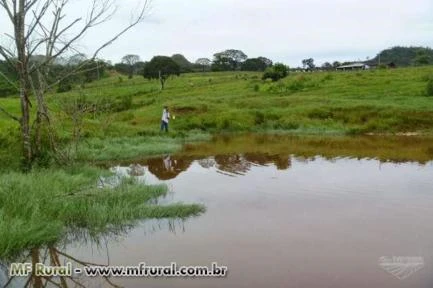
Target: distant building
(353, 66)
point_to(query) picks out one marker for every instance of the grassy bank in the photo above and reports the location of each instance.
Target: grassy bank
(41, 207)
(129, 148)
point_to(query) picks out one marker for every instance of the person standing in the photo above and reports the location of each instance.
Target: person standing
(165, 119)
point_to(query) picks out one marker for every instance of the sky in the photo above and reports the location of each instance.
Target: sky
(283, 30)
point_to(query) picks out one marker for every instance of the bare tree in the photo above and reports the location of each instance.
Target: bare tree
(40, 27)
(131, 61)
(204, 62)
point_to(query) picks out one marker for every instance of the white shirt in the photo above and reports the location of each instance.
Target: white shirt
(165, 116)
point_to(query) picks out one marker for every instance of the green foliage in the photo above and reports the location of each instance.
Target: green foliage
(422, 58)
(6, 88)
(74, 75)
(328, 77)
(298, 84)
(203, 64)
(122, 68)
(308, 64)
(125, 103)
(276, 72)
(259, 118)
(390, 100)
(82, 104)
(42, 206)
(92, 70)
(429, 87)
(9, 149)
(126, 148)
(65, 85)
(131, 61)
(404, 56)
(7, 75)
(256, 64)
(184, 64)
(336, 64)
(161, 67)
(228, 60)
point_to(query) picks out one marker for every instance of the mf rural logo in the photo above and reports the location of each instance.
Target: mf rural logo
(401, 267)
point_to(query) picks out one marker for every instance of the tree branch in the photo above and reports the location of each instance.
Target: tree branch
(138, 20)
(8, 80)
(5, 5)
(37, 18)
(10, 115)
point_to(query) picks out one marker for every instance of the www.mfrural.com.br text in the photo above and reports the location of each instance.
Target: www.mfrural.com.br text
(140, 270)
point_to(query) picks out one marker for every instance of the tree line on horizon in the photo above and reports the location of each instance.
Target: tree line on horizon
(228, 60)
(160, 67)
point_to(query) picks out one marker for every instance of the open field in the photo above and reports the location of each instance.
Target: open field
(379, 101)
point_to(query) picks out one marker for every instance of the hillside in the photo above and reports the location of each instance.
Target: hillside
(379, 101)
(404, 56)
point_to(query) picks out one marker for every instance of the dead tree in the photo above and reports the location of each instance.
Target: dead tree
(40, 27)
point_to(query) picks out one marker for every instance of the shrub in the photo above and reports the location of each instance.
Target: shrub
(259, 118)
(320, 114)
(286, 125)
(6, 88)
(276, 72)
(127, 117)
(429, 87)
(64, 86)
(296, 85)
(225, 124)
(328, 77)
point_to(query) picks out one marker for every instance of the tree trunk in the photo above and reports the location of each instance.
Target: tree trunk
(24, 83)
(131, 72)
(42, 116)
(37, 281)
(25, 129)
(161, 80)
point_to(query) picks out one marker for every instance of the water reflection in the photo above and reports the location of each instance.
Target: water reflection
(239, 164)
(59, 256)
(236, 155)
(233, 164)
(168, 167)
(334, 210)
(52, 256)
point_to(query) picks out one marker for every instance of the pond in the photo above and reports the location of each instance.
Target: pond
(284, 211)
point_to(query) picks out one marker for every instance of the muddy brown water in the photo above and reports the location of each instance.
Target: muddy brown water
(287, 212)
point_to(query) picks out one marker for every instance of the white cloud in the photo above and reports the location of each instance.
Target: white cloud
(282, 30)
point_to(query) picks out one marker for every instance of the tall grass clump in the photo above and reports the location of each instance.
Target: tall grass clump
(42, 206)
(127, 148)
